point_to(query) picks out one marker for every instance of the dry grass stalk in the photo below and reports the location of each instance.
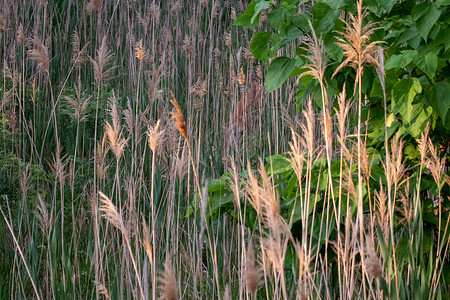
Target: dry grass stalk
(18, 248)
(130, 120)
(297, 156)
(264, 199)
(303, 272)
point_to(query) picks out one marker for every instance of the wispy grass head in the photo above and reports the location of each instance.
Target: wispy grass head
(154, 136)
(40, 54)
(168, 281)
(355, 43)
(317, 56)
(139, 51)
(251, 270)
(110, 213)
(178, 116)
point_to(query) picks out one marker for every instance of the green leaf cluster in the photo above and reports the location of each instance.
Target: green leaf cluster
(416, 50)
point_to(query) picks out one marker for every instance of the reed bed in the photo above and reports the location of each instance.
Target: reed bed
(117, 116)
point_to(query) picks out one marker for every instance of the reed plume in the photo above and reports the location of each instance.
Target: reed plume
(168, 282)
(177, 114)
(40, 54)
(251, 270)
(101, 61)
(355, 43)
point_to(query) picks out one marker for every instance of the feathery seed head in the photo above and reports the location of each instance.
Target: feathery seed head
(168, 281)
(40, 54)
(139, 51)
(317, 56)
(251, 271)
(177, 114)
(355, 43)
(154, 136)
(241, 76)
(110, 213)
(20, 35)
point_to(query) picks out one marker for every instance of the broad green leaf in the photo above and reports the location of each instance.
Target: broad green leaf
(447, 40)
(260, 45)
(378, 6)
(427, 64)
(258, 8)
(425, 14)
(277, 164)
(301, 21)
(335, 4)
(333, 51)
(443, 97)
(408, 35)
(300, 208)
(216, 202)
(324, 17)
(402, 251)
(220, 184)
(277, 18)
(420, 118)
(400, 60)
(245, 20)
(403, 94)
(440, 98)
(446, 272)
(443, 2)
(292, 32)
(278, 71)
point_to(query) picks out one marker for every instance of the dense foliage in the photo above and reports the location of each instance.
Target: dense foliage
(403, 99)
